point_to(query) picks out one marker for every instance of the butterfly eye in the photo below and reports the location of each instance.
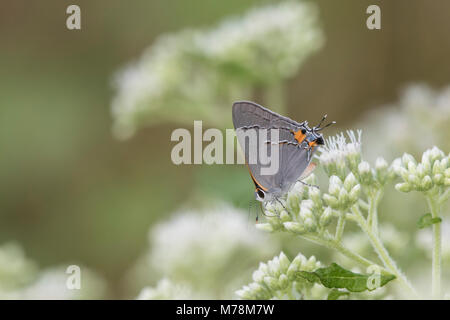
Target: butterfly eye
(260, 194)
(303, 131)
(319, 141)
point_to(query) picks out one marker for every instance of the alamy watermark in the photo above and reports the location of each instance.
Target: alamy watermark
(257, 146)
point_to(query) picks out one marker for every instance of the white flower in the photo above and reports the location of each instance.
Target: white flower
(431, 172)
(277, 278)
(52, 284)
(166, 290)
(16, 270)
(196, 73)
(196, 248)
(337, 152)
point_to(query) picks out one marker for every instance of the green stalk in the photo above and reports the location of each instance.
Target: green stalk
(332, 244)
(340, 227)
(372, 217)
(379, 248)
(436, 262)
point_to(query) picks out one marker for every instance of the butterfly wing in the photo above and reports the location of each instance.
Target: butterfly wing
(250, 114)
(292, 159)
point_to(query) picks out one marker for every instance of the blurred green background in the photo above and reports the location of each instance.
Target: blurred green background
(71, 192)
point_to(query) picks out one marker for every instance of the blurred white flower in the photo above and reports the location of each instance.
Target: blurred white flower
(16, 270)
(424, 240)
(207, 250)
(51, 285)
(421, 118)
(197, 74)
(166, 290)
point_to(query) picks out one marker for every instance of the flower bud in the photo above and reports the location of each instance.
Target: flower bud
(427, 183)
(326, 217)
(332, 201)
(284, 262)
(354, 193)
(438, 179)
(258, 276)
(350, 182)
(403, 187)
(310, 225)
(407, 158)
(335, 185)
(314, 195)
(274, 267)
(271, 282)
(283, 281)
(265, 227)
(284, 216)
(294, 227)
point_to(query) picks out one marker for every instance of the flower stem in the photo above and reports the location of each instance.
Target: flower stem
(378, 246)
(436, 262)
(332, 244)
(340, 227)
(372, 217)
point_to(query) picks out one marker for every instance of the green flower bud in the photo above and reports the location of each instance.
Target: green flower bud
(294, 227)
(284, 262)
(407, 158)
(335, 185)
(403, 187)
(414, 180)
(354, 193)
(271, 282)
(265, 227)
(283, 282)
(314, 195)
(427, 183)
(284, 216)
(310, 225)
(343, 197)
(274, 267)
(332, 201)
(350, 182)
(438, 179)
(326, 217)
(258, 276)
(382, 172)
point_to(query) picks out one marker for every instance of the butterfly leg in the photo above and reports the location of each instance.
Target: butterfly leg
(309, 185)
(281, 142)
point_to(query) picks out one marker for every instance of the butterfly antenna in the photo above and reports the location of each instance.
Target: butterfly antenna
(321, 121)
(326, 126)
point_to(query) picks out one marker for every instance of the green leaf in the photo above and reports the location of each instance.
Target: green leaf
(337, 277)
(427, 220)
(310, 276)
(335, 294)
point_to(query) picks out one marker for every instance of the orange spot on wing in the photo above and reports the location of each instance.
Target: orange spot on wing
(299, 136)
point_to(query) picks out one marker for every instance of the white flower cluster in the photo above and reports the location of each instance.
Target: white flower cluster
(342, 195)
(421, 118)
(337, 153)
(196, 74)
(199, 248)
(51, 284)
(338, 157)
(432, 171)
(21, 279)
(277, 279)
(304, 211)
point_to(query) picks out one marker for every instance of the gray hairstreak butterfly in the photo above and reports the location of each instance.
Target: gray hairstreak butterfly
(295, 144)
